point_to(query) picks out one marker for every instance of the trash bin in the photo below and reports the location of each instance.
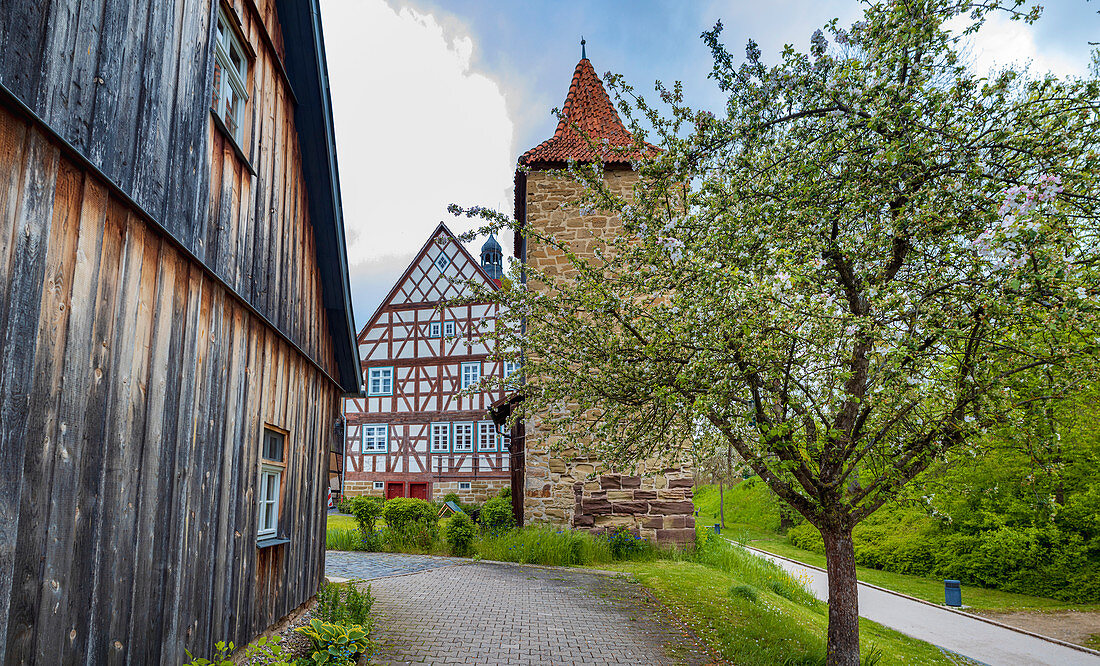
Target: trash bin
(717, 528)
(952, 593)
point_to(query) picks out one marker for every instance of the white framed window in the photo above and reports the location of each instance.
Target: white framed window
(510, 368)
(442, 261)
(441, 437)
(471, 374)
(433, 329)
(449, 329)
(375, 438)
(230, 77)
(487, 436)
(379, 485)
(380, 381)
(272, 466)
(463, 485)
(464, 437)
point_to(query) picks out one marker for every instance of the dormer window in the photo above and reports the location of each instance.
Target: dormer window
(230, 75)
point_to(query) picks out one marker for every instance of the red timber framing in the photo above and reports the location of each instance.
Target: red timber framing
(415, 432)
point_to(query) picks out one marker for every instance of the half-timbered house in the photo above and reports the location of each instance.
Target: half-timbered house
(175, 324)
(420, 431)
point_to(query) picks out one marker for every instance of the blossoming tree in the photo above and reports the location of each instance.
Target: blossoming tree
(847, 273)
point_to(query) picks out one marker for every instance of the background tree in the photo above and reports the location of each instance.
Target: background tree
(851, 272)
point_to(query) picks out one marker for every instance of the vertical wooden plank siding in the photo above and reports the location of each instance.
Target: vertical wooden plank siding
(134, 391)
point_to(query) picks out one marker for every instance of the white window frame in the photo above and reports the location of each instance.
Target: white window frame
(462, 431)
(487, 430)
(384, 376)
(379, 485)
(469, 380)
(510, 368)
(270, 485)
(226, 43)
(464, 485)
(437, 431)
(449, 328)
(371, 432)
(435, 330)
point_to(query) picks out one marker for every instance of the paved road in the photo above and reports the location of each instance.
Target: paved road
(987, 643)
(462, 612)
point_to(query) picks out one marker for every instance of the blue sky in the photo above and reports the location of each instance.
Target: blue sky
(435, 99)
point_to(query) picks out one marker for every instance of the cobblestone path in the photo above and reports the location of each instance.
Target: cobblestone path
(490, 613)
(357, 564)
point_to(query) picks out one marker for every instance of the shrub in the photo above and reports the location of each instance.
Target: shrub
(496, 515)
(747, 592)
(366, 511)
(452, 497)
(400, 512)
(460, 534)
(344, 603)
(344, 505)
(506, 493)
(336, 644)
(626, 545)
(260, 651)
(418, 536)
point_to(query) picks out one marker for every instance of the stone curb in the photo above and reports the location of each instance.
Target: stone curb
(1079, 648)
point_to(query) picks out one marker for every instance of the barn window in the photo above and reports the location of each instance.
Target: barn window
(464, 437)
(448, 329)
(486, 436)
(230, 75)
(380, 381)
(375, 438)
(379, 485)
(463, 485)
(272, 466)
(433, 329)
(441, 437)
(471, 374)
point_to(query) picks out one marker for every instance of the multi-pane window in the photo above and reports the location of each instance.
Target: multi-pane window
(471, 374)
(375, 439)
(441, 437)
(464, 437)
(442, 261)
(510, 368)
(230, 75)
(448, 329)
(487, 436)
(433, 329)
(379, 485)
(272, 466)
(463, 485)
(380, 381)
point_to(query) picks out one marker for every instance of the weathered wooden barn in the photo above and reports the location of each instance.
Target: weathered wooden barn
(175, 324)
(417, 432)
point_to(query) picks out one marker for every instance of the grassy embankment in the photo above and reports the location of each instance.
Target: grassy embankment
(752, 517)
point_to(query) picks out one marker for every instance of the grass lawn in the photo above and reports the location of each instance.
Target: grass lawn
(766, 630)
(928, 589)
(342, 522)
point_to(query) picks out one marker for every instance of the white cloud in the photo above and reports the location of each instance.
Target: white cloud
(1002, 42)
(416, 129)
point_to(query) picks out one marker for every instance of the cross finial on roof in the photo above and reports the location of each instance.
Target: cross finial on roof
(583, 56)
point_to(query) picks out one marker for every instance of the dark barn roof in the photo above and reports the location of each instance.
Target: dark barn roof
(308, 72)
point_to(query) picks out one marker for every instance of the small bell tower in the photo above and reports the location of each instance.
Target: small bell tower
(492, 258)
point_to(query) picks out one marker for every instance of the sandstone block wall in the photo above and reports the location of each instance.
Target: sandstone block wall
(481, 490)
(570, 490)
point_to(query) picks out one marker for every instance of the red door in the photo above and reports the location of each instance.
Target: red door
(395, 490)
(418, 490)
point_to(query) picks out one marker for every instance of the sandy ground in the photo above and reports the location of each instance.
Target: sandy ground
(1071, 626)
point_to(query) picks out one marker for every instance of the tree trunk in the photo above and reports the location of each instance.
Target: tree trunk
(840, 559)
(721, 504)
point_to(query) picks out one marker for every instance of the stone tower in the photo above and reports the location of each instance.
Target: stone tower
(653, 500)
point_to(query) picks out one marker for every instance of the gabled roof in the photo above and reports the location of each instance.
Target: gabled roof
(587, 107)
(441, 231)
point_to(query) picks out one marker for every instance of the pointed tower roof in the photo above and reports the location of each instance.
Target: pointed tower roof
(588, 107)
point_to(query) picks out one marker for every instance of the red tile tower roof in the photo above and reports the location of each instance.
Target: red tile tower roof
(588, 107)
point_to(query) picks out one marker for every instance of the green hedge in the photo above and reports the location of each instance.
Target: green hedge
(1042, 561)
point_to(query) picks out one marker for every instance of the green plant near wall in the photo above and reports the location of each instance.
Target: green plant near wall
(336, 644)
(264, 650)
(345, 603)
(496, 515)
(400, 512)
(460, 533)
